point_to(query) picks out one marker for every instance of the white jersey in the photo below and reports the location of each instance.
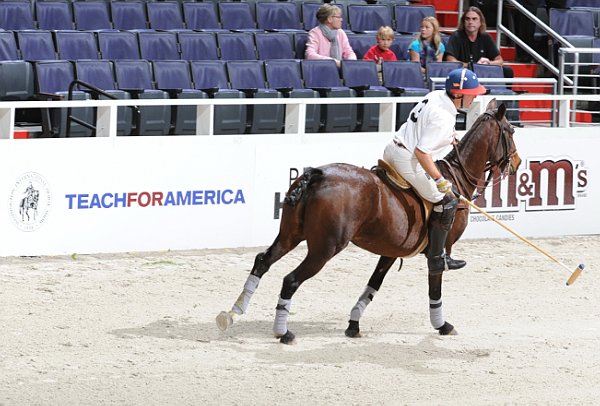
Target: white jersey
(430, 125)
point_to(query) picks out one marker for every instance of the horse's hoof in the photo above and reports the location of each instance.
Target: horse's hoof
(353, 331)
(224, 320)
(287, 338)
(447, 330)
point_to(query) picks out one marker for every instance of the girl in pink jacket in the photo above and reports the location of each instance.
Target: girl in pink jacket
(328, 40)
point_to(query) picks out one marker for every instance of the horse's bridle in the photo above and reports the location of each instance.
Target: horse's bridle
(502, 164)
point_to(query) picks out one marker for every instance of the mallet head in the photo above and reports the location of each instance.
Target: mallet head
(575, 274)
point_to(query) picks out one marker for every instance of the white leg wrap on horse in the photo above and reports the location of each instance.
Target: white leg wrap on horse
(241, 304)
(436, 316)
(281, 315)
(363, 302)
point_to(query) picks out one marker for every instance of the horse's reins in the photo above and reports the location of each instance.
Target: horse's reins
(506, 157)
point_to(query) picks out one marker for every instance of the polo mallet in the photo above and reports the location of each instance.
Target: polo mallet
(575, 273)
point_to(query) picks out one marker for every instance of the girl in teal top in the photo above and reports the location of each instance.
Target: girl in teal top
(428, 46)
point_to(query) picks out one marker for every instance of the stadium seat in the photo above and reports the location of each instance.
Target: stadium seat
(16, 15)
(237, 16)
(300, 39)
(439, 70)
(323, 76)
(408, 17)
(53, 79)
(362, 77)
(73, 45)
(174, 77)
(572, 22)
(91, 15)
(135, 77)
(249, 77)
(201, 16)
(309, 12)
(101, 75)
(364, 18)
(158, 45)
(484, 71)
(211, 77)
(361, 43)
(128, 15)
(400, 46)
(117, 45)
(16, 81)
(165, 15)
(54, 15)
(198, 45)
(286, 77)
(274, 45)
(8, 46)
(278, 16)
(236, 46)
(36, 45)
(404, 78)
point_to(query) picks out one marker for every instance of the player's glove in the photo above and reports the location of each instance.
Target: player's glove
(443, 185)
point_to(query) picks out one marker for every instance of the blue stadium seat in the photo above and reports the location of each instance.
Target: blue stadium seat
(368, 17)
(8, 46)
(323, 76)
(211, 77)
(300, 39)
(572, 22)
(174, 77)
(201, 16)
(117, 45)
(286, 77)
(128, 15)
(362, 77)
(158, 45)
(274, 45)
(76, 45)
(165, 15)
(361, 43)
(408, 17)
(309, 11)
(53, 78)
(16, 81)
(135, 76)
(237, 16)
(484, 71)
(54, 15)
(236, 46)
(400, 46)
(198, 45)
(16, 15)
(249, 77)
(36, 45)
(281, 16)
(91, 15)
(101, 75)
(436, 69)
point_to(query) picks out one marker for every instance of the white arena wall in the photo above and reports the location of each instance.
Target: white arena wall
(119, 194)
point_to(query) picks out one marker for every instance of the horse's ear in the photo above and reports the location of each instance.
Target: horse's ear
(501, 111)
(491, 105)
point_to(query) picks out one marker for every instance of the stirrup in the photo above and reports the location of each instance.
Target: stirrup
(455, 263)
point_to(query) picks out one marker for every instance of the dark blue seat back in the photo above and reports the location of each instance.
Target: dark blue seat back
(76, 45)
(36, 45)
(133, 74)
(278, 16)
(283, 74)
(403, 74)
(400, 46)
(96, 73)
(198, 45)
(17, 80)
(572, 22)
(436, 69)
(361, 43)
(16, 15)
(8, 46)
(360, 73)
(246, 74)
(274, 46)
(300, 39)
(201, 16)
(53, 15)
(236, 45)
(91, 15)
(408, 17)
(128, 15)
(172, 74)
(309, 18)
(118, 45)
(164, 15)
(209, 74)
(236, 16)
(320, 73)
(368, 17)
(157, 45)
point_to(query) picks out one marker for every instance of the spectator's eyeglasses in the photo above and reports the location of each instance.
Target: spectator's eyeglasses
(337, 16)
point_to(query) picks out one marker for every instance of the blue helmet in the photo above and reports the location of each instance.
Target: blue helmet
(464, 81)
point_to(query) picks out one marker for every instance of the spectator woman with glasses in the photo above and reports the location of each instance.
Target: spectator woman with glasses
(328, 40)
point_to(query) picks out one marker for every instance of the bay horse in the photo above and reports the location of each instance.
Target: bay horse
(333, 205)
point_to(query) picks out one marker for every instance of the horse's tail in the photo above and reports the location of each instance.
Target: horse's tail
(297, 192)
